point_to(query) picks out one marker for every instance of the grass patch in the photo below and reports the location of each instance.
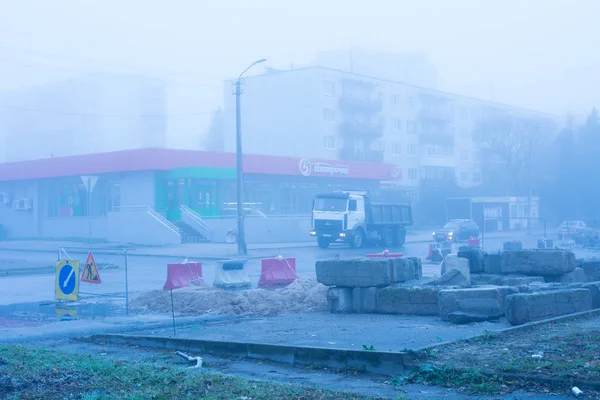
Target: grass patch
(561, 353)
(45, 374)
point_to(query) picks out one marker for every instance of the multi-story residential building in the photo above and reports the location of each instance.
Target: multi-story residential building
(337, 115)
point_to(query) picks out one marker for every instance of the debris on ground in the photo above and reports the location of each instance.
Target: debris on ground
(303, 295)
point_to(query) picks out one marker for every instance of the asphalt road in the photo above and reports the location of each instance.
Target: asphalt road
(149, 273)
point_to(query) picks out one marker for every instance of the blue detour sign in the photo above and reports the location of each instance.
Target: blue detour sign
(67, 280)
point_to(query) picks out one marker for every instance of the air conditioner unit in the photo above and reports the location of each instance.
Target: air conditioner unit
(16, 205)
(26, 204)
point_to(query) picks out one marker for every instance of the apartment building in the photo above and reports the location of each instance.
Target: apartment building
(337, 115)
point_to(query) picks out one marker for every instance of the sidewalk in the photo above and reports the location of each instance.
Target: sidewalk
(215, 251)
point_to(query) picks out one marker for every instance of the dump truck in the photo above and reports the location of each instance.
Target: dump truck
(351, 217)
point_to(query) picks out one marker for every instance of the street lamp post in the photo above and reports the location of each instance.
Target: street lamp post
(241, 239)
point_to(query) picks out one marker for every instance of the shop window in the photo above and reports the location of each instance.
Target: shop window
(70, 199)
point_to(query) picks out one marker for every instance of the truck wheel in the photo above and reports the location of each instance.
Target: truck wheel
(323, 242)
(358, 239)
(400, 237)
(387, 238)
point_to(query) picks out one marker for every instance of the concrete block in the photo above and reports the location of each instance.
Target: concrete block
(475, 257)
(452, 277)
(232, 274)
(339, 300)
(403, 269)
(538, 262)
(357, 272)
(591, 269)
(514, 245)
(594, 288)
(527, 307)
(452, 261)
(398, 299)
(418, 267)
(505, 280)
(576, 276)
(364, 300)
(492, 263)
(487, 301)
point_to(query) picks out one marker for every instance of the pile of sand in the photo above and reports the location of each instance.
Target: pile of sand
(303, 295)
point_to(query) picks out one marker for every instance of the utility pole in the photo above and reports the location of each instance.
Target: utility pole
(529, 159)
(241, 237)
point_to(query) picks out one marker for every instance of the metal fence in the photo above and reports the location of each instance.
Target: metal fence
(112, 277)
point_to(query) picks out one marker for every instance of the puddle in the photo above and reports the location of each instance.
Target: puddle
(44, 312)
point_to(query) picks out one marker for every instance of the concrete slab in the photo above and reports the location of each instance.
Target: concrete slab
(538, 262)
(398, 299)
(526, 307)
(355, 272)
(484, 301)
(339, 300)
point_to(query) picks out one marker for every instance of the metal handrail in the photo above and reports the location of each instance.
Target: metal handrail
(156, 215)
(195, 216)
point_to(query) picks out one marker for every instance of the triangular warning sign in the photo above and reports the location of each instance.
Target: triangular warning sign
(90, 271)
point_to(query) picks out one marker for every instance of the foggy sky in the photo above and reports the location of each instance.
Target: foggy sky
(539, 54)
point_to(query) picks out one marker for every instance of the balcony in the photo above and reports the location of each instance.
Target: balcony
(364, 130)
(441, 138)
(361, 155)
(349, 103)
(439, 114)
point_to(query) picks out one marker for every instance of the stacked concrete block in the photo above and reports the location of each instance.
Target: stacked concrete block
(364, 300)
(527, 307)
(398, 299)
(591, 269)
(339, 300)
(538, 262)
(482, 303)
(403, 269)
(506, 280)
(576, 276)
(358, 272)
(594, 288)
(492, 263)
(474, 255)
(418, 267)
(514, 245)
(454, 271)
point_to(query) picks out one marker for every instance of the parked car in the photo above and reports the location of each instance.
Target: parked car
(457, 230)
(578, 231)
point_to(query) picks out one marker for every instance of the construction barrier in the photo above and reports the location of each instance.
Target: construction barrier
(433, 248)
(181, 275)
(232, 274)
(277, 271)
(385, 254)
(473, 242)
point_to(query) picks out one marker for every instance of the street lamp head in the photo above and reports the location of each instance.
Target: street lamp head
(262, 60)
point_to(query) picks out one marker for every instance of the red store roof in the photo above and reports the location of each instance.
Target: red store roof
(167, 159)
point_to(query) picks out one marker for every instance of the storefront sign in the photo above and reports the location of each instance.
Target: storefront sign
(396, 173)
(308, 168)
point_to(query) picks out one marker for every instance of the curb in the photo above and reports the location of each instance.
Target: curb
(375, 362)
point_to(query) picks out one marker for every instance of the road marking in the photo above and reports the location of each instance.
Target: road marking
(68, 278)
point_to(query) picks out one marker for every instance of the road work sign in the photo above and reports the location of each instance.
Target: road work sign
(90, 271)
(67, 280)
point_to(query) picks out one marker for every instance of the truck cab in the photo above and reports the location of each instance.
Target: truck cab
(350, 217)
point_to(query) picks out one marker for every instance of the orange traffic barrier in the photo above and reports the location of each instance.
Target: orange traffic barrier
(277, 271)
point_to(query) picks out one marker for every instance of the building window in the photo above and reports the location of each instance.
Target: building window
(463, 112)
(464, 155)
(328, 88)
(70, 199)
(397, 124)
(329, 142)
(396, 100)
(476, 177)
(396, 149)
(411, 126)
(464, 177)
(412, 174)
(412, 104)
(411, 150)
(328, 115)
(382, 146)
